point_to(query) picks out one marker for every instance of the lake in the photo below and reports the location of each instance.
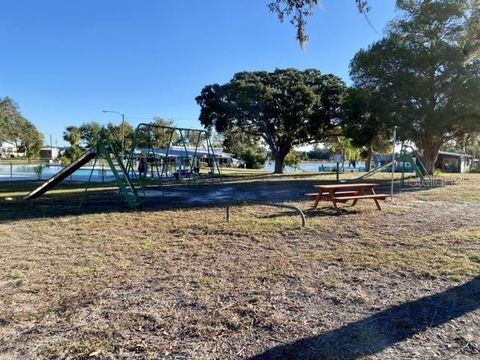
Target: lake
(318, 166)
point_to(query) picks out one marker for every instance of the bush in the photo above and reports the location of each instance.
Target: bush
(293, 160)
(38, 170)
(475, 168)
(253, 159)
(71, 154)
(438, 172)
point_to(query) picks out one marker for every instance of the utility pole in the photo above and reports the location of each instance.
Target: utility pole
(393, 160)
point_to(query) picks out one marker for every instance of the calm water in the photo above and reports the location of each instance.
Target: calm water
(317, 166)
(26, 172)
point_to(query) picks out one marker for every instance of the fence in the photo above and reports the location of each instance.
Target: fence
(41, 171)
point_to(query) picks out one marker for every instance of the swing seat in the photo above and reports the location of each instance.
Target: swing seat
(182, 174)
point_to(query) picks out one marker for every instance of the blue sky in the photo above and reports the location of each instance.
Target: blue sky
(65, 61)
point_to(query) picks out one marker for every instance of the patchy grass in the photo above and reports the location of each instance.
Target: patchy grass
(180, 282)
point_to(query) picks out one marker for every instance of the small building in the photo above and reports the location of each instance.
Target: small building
(450, 162)
(178, 161)
(50, 153)
(8, 149)
(181, 154)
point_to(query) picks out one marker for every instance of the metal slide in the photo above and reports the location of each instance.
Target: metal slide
(374, 171)
(418, 167)
(63, 174)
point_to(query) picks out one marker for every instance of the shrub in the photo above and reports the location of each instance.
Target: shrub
(293, 160)
(71, 154)
(475, 168)
(253, 159)
(38, 170)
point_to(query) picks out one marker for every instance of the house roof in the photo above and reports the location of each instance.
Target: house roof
(179, 151)
(6, 142)
(447, 153)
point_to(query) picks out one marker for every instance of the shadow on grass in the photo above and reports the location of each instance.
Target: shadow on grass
(310, 213)
(326, 210)
(266, 176)
(383, 329)
(98, 200)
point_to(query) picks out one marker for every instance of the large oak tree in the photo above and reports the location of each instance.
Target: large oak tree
(426, 72)
(284, 107)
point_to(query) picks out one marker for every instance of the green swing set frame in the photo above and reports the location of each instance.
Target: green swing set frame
(160, 163)
(129, 182)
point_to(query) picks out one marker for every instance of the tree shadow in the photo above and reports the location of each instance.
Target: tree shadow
(99, 200)
(375, 333)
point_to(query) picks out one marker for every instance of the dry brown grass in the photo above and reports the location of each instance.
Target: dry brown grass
(183, 283)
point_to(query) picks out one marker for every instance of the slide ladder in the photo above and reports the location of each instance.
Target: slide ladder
(417, 166)
(124, 182)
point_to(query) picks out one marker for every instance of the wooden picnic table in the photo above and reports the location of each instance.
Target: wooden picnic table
(342, 193)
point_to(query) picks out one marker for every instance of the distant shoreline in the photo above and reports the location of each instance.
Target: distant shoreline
(316, 166)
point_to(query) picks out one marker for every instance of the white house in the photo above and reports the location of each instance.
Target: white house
(8, 149)
(454, 162)
(50, 153)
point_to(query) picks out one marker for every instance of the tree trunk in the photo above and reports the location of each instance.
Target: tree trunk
(279, 157)
(430, 149)
(368, 162)
(279, 166)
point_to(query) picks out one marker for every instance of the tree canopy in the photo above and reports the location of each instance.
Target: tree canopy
(362, 122)
(157, 136)
(284, 107)
(426, 73)
(86, 135)
(18, 130)
(245, 147)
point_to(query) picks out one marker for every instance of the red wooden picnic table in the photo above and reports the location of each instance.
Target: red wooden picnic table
(341, 193)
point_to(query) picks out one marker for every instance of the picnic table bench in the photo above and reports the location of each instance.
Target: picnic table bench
(342, 193)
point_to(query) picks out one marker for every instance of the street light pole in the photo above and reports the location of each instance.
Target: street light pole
(123, 127)
(123, 134)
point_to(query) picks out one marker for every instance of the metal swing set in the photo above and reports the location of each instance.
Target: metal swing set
(171, 154)
(185, 160)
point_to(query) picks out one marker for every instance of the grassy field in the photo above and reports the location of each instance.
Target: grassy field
(177, 281)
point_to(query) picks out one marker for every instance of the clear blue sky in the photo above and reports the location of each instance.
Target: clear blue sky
(64, 61)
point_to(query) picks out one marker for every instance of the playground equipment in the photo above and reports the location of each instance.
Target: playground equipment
(410, 156)
(102, 149)
(374, 171)
(169, 154)
(415, 161)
